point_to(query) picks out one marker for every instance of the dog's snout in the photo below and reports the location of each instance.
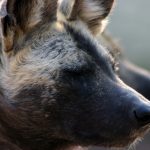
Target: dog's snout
(140, 106)
(142, 115)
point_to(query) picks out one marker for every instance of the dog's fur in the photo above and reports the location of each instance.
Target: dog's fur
(58, 87)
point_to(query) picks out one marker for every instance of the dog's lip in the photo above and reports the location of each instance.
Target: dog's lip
(134, 137)
(86, 142)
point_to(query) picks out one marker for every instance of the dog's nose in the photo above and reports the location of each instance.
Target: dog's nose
(142, 115)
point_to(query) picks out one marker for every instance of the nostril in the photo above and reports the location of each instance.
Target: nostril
(142, 115)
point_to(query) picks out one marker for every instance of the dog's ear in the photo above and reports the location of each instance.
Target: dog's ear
(91, 12)
(19, 17)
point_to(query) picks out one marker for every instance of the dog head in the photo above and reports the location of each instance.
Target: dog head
(60, 82)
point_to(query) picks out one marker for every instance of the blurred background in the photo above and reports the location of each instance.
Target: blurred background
(129, 24)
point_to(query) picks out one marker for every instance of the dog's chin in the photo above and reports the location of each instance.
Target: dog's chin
(130, 141)
(114, 144)
(126, 143)
(77, 148)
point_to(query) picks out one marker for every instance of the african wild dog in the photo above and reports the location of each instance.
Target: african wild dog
(58, 87)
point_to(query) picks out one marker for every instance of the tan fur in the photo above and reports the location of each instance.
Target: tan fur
(36, 12)
(92, 13)
(8, 42)
(65, 8)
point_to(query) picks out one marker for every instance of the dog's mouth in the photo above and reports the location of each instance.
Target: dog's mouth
(111, 142)
(113, 145)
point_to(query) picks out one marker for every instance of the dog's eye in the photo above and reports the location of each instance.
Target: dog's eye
(114, 63)
(79, 70)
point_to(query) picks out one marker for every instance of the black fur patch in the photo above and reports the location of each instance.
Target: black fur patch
(84, 43)
(7, 23)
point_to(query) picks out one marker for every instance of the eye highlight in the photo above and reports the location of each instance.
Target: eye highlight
(114, 62)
